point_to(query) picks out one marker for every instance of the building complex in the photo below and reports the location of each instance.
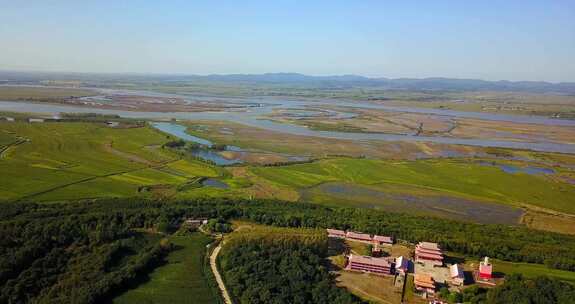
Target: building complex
(428, 253)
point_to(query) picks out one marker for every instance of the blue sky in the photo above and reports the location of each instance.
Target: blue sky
(515, 40)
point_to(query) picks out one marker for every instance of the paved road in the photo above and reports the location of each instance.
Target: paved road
(219, 280)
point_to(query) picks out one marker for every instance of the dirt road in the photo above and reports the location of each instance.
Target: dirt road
(219, 280)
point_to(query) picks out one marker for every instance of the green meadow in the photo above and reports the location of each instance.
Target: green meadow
(180, 280)
(462, 178)
(61, 161)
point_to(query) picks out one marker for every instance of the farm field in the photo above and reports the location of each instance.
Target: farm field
(180, 280)
(61, 161)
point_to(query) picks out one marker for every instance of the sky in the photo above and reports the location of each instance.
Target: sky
(492, 40)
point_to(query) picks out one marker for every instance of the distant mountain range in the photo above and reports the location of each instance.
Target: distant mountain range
(435, 83)
(339, 81)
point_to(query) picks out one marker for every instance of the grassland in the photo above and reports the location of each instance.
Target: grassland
(64, 161)
(41, 93)
(463, 178)
(374, 288)
(61, 161)
(180, 280)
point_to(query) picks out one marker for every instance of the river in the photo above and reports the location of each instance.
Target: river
(252, 116)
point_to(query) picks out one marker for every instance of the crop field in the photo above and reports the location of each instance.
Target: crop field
(58, 161)
(461, 178)
(180, 280)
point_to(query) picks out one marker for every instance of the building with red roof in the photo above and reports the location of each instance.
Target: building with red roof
(360, 237)
(334, 233)
(485, 269)
(428, 253)
(382, 240)
(424, 283)
(369, 264)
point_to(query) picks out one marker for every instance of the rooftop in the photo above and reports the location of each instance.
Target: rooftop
(355, 235)
(335, 231)
(384, 239)
(428, 246)
(425, 255)
(424, 280)
(383, 262)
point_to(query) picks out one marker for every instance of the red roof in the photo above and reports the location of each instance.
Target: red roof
(336, 232)
(427, 256)
(428, 246)
(424, 280)
(359, 236)
(383, 239)
(426, 249)
(381, 262)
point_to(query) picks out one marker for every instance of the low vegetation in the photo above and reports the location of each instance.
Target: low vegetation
(66, 161)
(463, 178)
(30, 93)
(181, 278)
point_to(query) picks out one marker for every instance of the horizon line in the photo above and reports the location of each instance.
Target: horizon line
(269, 73)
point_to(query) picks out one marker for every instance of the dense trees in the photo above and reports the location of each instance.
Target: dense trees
(516, 289)
(45, 257)
(541, 290)
(175, 144)
(218, 225)
(280, 269)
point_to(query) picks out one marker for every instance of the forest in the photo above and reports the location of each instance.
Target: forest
(281, 268)
(87, 251)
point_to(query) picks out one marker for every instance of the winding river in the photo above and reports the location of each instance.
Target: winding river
(252, 116)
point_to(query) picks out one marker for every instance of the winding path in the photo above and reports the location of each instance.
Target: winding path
(219, 280)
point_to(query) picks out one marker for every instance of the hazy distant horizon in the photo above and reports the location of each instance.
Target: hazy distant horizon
(490, 40)
(144, 74)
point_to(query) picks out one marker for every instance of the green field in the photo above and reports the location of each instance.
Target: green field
(61, 161)
(181, 280)
(41, 93)
(462, 178)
